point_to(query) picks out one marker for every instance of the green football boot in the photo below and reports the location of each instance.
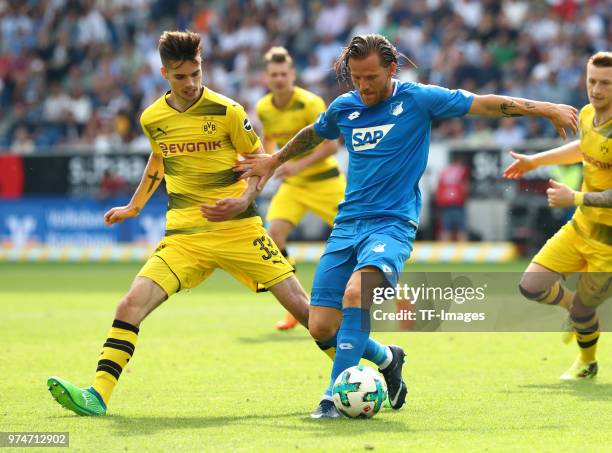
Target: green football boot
(80, 401)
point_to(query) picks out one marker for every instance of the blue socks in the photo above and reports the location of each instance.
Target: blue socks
(352, 339)
(374, 351)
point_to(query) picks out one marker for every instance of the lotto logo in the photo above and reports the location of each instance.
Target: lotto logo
(379, 248)
(368, 137)
(354, 115)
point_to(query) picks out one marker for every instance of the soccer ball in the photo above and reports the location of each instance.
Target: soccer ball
(359, 392)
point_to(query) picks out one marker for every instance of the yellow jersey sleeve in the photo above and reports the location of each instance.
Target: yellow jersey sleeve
(154, 146)
(242, 135)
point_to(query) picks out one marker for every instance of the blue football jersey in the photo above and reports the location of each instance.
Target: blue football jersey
(388, 145)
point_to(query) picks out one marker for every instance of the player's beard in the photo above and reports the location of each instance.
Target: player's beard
(373, 97)
(377, 96)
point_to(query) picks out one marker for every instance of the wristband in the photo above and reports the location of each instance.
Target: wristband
(578, 198)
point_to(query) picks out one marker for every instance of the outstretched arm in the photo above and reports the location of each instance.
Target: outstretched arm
(569, 153)
(264, 167)
(562, 116)
(152, 176)
(303, 141)
(321, 152)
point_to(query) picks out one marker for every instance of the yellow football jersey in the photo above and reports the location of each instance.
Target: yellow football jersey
(200, 146)
(596, 147)
(281, 124)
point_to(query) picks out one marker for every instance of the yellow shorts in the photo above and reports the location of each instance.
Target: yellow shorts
(292, 202)
(247, 253)
(568, 252)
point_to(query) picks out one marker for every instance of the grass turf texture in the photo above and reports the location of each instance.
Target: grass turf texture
(211, 374)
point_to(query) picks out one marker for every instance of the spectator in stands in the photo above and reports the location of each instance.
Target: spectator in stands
(509, 134)
(451, 196)
(528, 47)
(22, 142)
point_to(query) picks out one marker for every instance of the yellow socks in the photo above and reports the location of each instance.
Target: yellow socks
(587, 334)
(558, 295)
(116, 353)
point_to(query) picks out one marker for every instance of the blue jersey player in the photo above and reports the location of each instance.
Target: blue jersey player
(386, 128)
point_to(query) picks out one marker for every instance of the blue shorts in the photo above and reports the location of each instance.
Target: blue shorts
(383, 243)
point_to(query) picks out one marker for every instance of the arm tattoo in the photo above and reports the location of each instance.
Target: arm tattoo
(304, 141)
(510, 108)
(153, 179)
(598, 199)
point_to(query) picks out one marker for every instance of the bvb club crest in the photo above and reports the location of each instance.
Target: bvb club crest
(209, 127)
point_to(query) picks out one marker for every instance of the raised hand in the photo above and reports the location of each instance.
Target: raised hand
(522, 164)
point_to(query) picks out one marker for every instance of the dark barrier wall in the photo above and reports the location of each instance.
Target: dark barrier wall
(82, 174)
(75, 175)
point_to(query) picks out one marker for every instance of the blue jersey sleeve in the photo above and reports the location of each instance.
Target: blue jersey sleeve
(326, 125)
(441, 102)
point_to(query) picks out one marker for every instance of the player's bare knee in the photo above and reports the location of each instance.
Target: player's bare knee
(321, 331)
(529, 293)
(130, 308)
(352, 296)
(532, 287)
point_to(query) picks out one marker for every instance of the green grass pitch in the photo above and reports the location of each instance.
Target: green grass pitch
(211, 374)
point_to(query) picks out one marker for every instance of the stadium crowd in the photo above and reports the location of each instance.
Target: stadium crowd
(77, 73)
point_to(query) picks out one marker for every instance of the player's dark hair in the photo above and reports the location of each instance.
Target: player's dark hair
(602, 60)
(278, 55)
(362, 46)
(179, 46)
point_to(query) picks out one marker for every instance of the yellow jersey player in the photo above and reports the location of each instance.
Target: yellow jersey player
(312, 183)
(585, 243)
(196, 136)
